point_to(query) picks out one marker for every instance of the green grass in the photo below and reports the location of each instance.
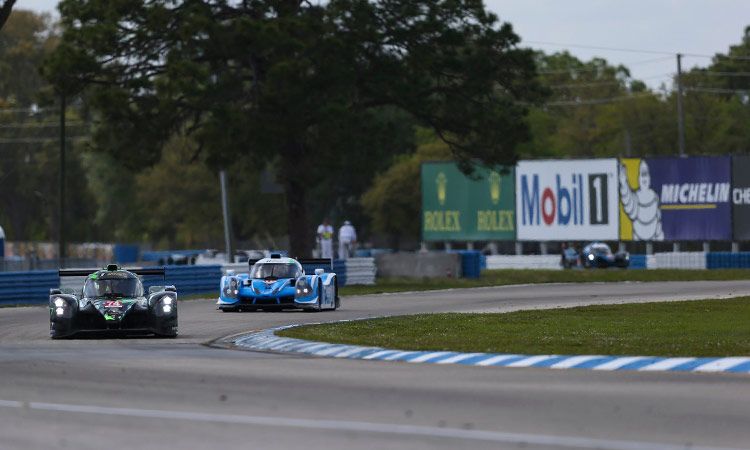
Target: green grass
(511, 276)
(690, 328)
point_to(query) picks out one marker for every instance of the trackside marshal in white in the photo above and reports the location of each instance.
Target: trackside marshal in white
(560, 200)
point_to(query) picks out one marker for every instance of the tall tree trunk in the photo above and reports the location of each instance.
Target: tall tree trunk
(5, 9)
(295, 172)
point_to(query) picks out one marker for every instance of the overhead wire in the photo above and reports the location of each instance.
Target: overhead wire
(633, 50)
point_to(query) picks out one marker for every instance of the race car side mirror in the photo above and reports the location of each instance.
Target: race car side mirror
(319, 272)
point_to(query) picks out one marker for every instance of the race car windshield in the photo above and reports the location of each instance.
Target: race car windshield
(125, 287)
(603, 248)
(276, 271)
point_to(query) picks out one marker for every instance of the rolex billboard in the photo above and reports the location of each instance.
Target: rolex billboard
(456, 207)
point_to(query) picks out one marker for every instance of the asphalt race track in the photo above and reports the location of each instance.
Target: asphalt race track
(182, 394)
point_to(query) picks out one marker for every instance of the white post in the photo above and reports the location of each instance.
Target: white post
(543, 248)
(735, 247)
(649, 248)
(706, 247)
(469, 246)
(448, 247)
(675, 247)
(621, 247)
(519, 248)
(227, 215)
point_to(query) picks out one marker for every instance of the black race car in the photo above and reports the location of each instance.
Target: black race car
(113, 300)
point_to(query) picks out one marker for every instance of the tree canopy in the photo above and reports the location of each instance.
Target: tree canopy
(293, 82)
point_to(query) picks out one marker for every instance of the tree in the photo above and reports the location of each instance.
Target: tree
(393, 201)
(6, 7)
(276, 80)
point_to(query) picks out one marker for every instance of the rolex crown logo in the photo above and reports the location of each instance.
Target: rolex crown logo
(442, 181)
(494, 180)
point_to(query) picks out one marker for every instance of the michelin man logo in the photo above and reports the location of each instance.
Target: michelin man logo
(641, 205)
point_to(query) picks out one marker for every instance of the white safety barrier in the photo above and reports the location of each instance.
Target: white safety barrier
(678, 260)
(360, 271)
(523, 262)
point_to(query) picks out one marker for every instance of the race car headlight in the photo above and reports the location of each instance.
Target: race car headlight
(167, 309)
(302, 288)
(167, 300)
(591, 257)
(59, 303)
(59, 311)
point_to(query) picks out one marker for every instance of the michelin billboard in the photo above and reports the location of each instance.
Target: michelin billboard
(741, 197)
(567, 200)
(675, 199)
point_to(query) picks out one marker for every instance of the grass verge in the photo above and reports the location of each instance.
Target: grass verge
(519, 276)
(690, 328)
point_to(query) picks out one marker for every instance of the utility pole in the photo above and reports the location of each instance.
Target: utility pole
(227, 216)
(680, 109)
(61, 225)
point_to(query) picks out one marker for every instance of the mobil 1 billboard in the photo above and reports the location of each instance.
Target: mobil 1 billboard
(741, 197)
(560, 200)
(456, 207)
(675, 199)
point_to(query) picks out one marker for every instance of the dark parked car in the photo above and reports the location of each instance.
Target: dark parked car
(598, 254)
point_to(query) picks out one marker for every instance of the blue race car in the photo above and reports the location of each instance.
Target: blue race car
(278, 283)
(598, 254)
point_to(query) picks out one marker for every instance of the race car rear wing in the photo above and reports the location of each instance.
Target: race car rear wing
(304, 261)
(137, 271)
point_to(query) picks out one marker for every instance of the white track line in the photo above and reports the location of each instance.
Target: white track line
(362, 427)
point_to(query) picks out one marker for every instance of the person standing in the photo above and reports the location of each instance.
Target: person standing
(347, 239)
(325, 238)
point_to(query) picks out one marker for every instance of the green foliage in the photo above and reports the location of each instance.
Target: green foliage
(267, 80)
(24, 42)
(394, 199)
(693, 328)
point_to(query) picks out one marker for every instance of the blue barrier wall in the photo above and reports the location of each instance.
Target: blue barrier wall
(638, 262)
(727, 260)
(126, 253)
(27, 287)
(188, 280)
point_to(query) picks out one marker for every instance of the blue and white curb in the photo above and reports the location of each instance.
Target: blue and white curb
(267, 340)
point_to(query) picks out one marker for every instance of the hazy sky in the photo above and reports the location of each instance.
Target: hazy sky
(687, 26)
